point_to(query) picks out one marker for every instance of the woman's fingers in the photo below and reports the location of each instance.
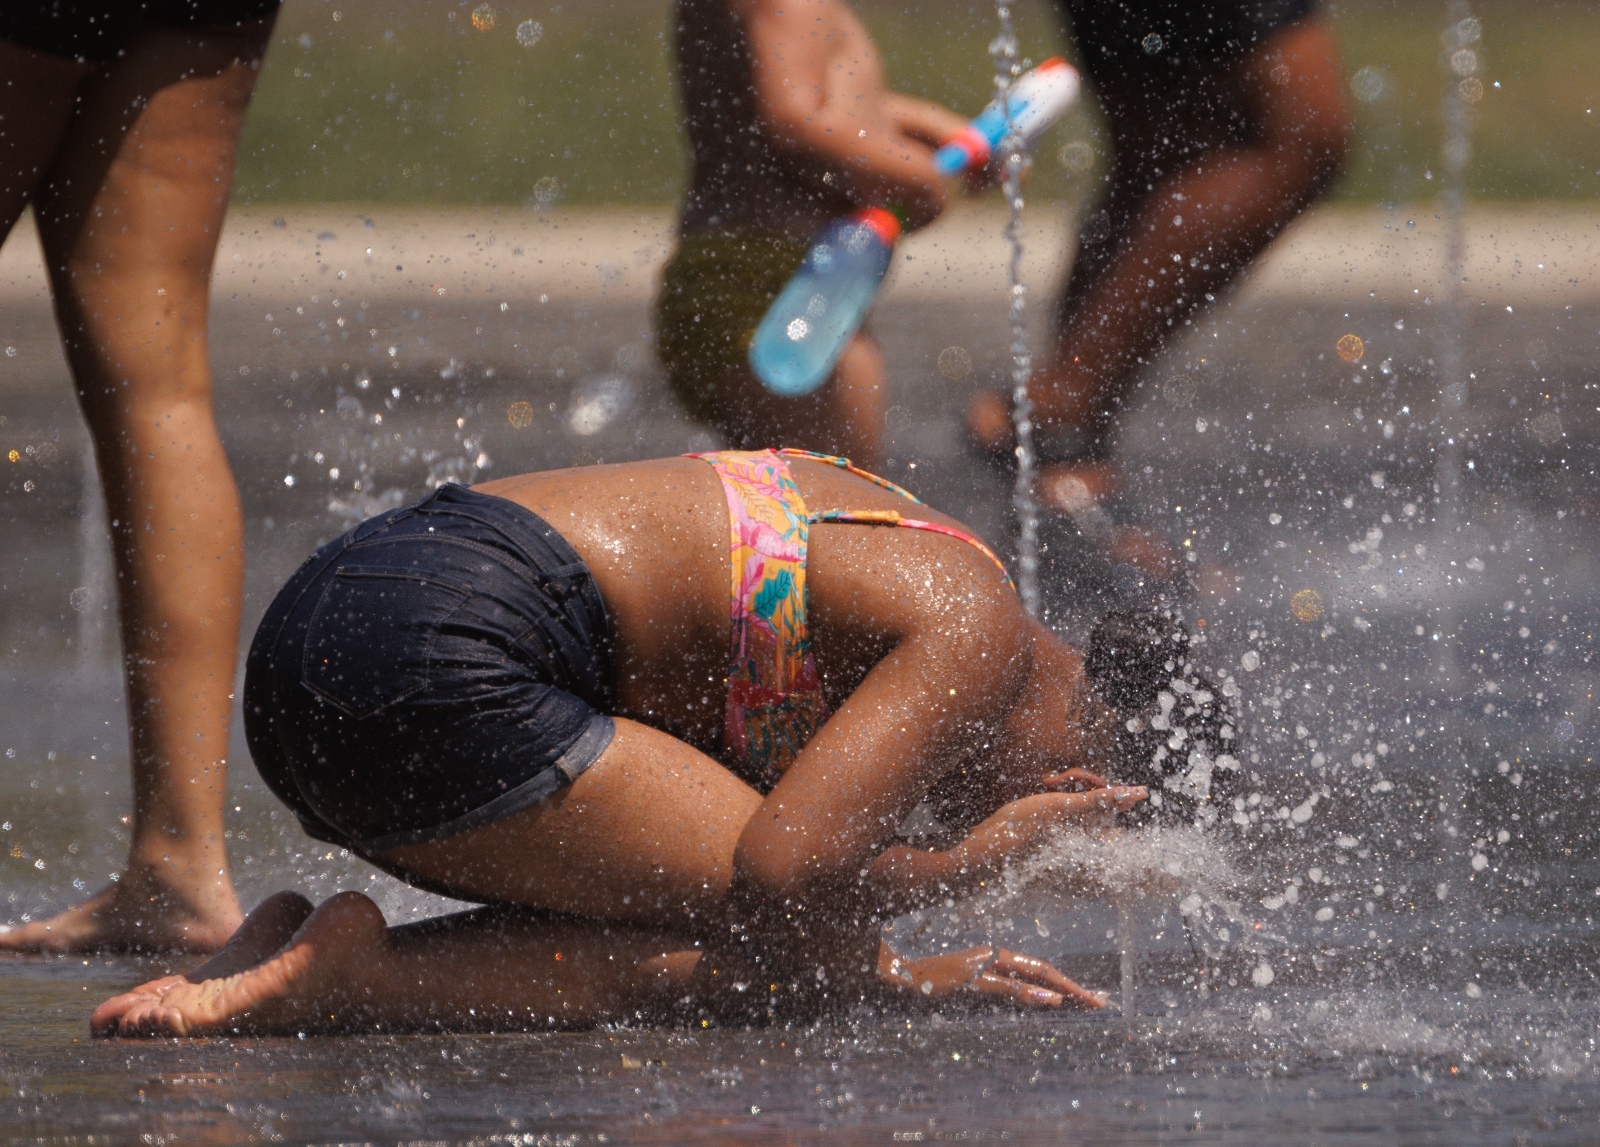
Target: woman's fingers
(1075, 780)
(1018, 991)
(1112, 798)
(1030, 969)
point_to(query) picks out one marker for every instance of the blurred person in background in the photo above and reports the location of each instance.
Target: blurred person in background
(119, 125)
(1227, 118)
(790, 127)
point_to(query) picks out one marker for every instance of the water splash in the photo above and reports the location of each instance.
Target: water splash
(1007, 67)
(1461, 63)
(91, 600)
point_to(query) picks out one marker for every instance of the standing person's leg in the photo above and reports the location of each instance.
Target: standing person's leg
(845, 416)
(1194, 199)
(130, 213)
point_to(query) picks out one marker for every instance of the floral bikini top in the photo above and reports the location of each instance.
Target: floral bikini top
(775, 703)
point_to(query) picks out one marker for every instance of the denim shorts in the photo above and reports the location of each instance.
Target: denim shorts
(435, 669)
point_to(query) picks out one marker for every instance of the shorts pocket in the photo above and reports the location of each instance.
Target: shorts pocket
(370, 638)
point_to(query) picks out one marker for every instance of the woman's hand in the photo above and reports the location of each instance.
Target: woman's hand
(983, 971)
(1074, 781)
(1022, 826)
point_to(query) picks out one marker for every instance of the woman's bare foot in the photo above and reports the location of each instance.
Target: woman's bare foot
(301, 984)
(143, 912)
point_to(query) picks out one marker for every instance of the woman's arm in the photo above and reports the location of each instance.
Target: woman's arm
(903, 878)
(819, 90)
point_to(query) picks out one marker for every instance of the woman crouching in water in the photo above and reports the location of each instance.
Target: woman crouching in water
(528, 694)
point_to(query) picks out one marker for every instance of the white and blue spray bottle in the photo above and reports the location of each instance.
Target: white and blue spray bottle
(1037, 100)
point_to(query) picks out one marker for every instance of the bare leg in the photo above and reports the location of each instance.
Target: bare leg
(645, 836)
(845, 416)
(489, 969)
(130, 212)
(1190, 207)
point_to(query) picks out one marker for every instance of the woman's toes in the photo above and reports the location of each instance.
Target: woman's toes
(114, 1016)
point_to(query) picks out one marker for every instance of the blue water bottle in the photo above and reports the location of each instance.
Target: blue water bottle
(1037, 100)
(820, 309)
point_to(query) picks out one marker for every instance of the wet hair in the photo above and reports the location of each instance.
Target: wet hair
(1175, 729)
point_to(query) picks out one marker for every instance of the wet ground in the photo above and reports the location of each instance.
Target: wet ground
(1416, 843)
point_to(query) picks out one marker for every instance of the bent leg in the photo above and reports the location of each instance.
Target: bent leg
(645, 836)
(489, 969)
(130, 212)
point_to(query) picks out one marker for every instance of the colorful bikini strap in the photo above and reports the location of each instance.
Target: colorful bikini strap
(895, 518)
(888, 517)
(846, 464)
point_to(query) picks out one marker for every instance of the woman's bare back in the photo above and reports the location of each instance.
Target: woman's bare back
(655, 535)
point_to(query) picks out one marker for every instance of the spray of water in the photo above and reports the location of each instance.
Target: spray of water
(1459, 45)
(1007, 67)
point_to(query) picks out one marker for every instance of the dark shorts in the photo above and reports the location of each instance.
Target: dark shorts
(100, 29)
(714, 290)
(436, 669)
(1129, 40)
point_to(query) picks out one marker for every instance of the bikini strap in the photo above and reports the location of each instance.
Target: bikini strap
(895, 518)
(846, 464)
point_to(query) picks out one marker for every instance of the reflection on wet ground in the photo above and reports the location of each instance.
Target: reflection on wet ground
(1326, 1067)
(1407, 950)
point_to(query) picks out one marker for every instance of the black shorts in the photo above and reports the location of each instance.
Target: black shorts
(100, 29)
(437, 668)
(1127, 40)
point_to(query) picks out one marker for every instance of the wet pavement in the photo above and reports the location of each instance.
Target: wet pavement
(1421, 732)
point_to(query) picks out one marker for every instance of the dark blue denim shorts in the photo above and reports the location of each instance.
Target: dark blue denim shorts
(435, 669)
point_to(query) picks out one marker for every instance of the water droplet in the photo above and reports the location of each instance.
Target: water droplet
(597, 403)
(520, 415)
(955, 363)
(1151, 44)
(1324, 914)
(1180, 390)
(797, 329)
(80, 598)
(27, 486)
(1470, 89)
(529, 33)
(1547, 428)
(1306, 605)
(546, 191)
(1250, 661)
(1565, 730)
(1368, 84)
(1350, 348)
(1474, 992)
(483, 17)
(1076, 157)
